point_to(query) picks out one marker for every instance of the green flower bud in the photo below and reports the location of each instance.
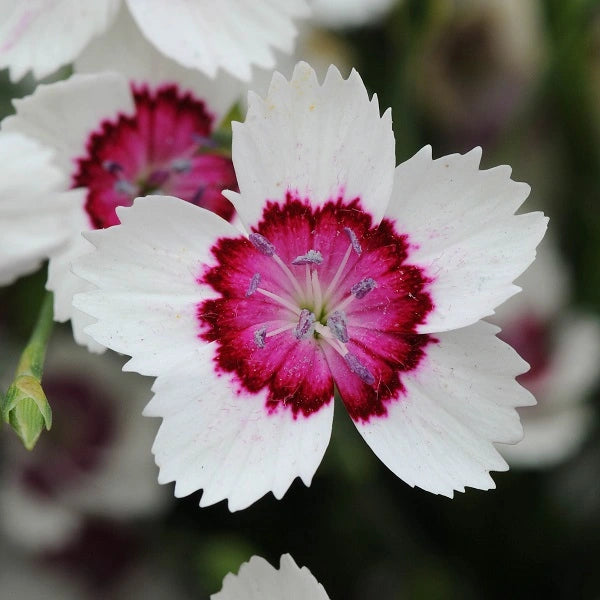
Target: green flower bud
(26, 409)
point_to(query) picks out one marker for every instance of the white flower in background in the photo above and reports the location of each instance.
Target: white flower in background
(113, 136)
(258, 580)
(31, 208)
(354, 275)
(562, 347)
(233, 35)
(349, 13)
(92, 463)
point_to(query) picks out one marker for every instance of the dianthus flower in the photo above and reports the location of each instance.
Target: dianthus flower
(233, 35)
(257, 579)
(110, 137)
(350, 275)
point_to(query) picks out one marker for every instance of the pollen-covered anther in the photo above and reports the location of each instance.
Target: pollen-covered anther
(359, 369)
(353, 240)
(363, 287)
(253, 285)
(260, 335)
(312, 257)
(126, 187)
(181, 165)
(262, 244)
(337, 325)
(113, 167)
(305, 325)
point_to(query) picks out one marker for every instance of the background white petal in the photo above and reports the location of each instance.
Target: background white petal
(145, 272)
(31, 207)
(213, 437)
(230, 34)
(460, 399)
(349, 13)
(258, 580)
(43, 35)
(463, 232)
(124, 49)
(317, 140)
(62, 115)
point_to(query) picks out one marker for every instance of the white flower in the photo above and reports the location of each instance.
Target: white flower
(111, 137)
(94, 460)
(258, 580)
(354, 275)
(349, 13)
(562, 348)
(42, 35)
(30, 207)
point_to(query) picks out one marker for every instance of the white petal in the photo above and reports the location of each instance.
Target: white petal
(349, 13)
(258, 580)
(463, 232)
(224, 441)
(60, 279)
(42, 35)
(229, 34)
(124, 49)
(316, 140)
(145, 272)
(62, 115)
(31, 206)
(460, 399)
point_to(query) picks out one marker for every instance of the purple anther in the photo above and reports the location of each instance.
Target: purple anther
(260, 335)
(359, 369)
(362, 288)
(353, 240)
(113, 167)
(312, 257)
(197, 197)
(181, 165)
(305, 324)
(126, 187)
(254, 283)
(203, 140)
(157, 178)
(262, 244)
(337, 325)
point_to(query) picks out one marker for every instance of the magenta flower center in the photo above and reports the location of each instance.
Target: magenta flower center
(315, 298)
(165, 147)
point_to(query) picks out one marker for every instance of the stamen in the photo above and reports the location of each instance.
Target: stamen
(289, 274)
(353, 240)
(316, 292)
(359, 369)
(312, 257)
(203, 140)
(338, 326)
(197, 197)
(279, 330)
(254, 283)
(181, 165)
(262, 244)
(113, 167)
(338, 273)
(279, 299)
(305, 324)
(126, 187)
(157, 178)
(362, 288)
(260, 336)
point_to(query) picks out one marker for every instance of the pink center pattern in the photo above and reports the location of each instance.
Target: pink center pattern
(316, 298)
(164, 147)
